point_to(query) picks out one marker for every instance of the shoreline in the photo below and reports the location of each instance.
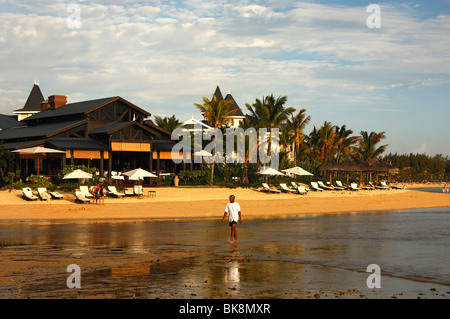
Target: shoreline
(184, 203)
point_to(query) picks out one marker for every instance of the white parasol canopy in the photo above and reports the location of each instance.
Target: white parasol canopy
(138, 173)
(297, 171)
(38, 150)
(77, 174)
(270, 171)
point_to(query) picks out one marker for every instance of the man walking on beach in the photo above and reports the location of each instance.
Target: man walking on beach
(234, 211)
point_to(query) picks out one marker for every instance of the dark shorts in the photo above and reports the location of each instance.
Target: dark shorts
(231, 223)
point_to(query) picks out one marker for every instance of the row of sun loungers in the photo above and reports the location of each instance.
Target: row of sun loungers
(319, 186)
(84, 195)
(43, 194)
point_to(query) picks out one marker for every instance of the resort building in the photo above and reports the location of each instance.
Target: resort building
(111, 134)
(238, 116)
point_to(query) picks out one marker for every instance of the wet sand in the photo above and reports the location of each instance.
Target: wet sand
(152, 270)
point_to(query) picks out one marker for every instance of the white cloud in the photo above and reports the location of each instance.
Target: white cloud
(167, 55)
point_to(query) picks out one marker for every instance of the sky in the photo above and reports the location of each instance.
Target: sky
(374, 70)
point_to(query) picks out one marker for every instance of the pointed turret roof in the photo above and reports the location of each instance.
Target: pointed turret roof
(234, 105)
(33, 103)
(218, 94)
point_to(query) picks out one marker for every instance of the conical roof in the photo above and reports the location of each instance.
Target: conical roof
(329, 165)
(234, 105)
(34, 100)
(218, 94)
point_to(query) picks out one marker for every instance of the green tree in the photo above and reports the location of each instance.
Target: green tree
(217, 114)
(297, 123)
(167, 123)
(367, 149)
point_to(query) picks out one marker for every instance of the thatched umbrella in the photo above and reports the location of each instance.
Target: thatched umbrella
(329, 166)
(351, 166)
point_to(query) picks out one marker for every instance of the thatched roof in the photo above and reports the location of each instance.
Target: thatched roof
(329, 166)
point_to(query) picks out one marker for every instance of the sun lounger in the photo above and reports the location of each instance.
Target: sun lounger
(28, 194)
(323, 186)
(80, 198)
(302, 190)
(354, 187)
(56, 195)
(85, 191)
(129, 192)
(381, 186)
(339, 186)
(286, 189)
(113, 192)
(266, 188)
(138, 190)
(367, 187)
(43, 194)
(316, 187)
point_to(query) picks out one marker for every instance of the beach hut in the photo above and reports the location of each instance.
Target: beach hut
(329, 166)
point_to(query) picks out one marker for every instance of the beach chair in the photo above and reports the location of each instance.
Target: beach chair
(138, 190)
(85, 191)
(316, 187)
(113, 192)
(128, 192)
(339, 186)
(56, 195)
(81, 198)
(28, 194)
(323, 186)
(354, 187)
(367, 187)
(267, 188)
(43, 194)
(286, 189)
(383, 184)
(302, 190)
(294, 185)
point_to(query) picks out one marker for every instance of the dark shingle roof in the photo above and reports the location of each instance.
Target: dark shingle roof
(35, 131)
(34, 100)
(7, 121)
(69, 109)
(108, 127)
(77, 143)
(234, 105)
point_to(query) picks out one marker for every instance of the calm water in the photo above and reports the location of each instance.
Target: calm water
(314, 252)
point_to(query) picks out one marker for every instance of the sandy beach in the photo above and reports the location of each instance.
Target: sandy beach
(209, 202)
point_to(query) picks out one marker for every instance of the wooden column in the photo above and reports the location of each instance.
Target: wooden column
(109, 164)
(72, 160)
(157, 162)
(102, 164)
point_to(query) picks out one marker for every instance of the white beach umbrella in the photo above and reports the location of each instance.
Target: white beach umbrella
(138, 173)
(38, 150)
(78, 174)
(203, 153)
(270, 171)
(297, 171)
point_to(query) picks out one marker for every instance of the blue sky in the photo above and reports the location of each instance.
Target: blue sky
(164, 56)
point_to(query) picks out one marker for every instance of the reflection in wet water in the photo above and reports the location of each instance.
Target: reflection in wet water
(277, 258)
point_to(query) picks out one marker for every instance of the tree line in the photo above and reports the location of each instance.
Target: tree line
(321, 144)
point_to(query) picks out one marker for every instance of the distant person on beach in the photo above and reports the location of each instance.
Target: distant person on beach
(95, 190)
(234, 211)
(101, 195)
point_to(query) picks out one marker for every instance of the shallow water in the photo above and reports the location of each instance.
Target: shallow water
(277, 258)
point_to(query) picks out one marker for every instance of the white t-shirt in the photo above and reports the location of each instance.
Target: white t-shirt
(233, 210)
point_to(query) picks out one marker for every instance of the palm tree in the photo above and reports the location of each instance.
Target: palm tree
(297, 124)
(269, 113)
(217, 114)
(345, 142)
(167, 123)
(367, 150)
